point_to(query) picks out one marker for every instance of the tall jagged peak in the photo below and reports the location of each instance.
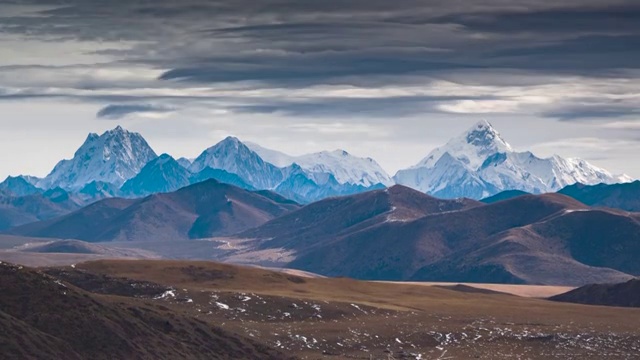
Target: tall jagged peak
(230, 141)
(479, 163)
(92, 137)
(233, 156)
(113, 157)
(228, 145)
(340, 152)
(484, 135)
(119, 132)
(118, 129)
(472, 147)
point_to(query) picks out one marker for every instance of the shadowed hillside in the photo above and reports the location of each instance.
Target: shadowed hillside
(202, 210)
(625, 294)
(44, 318)
(537, 239)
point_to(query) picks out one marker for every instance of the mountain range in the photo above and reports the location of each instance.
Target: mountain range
(113, 157)
(206, 209)
(394, 234)
(477, 164)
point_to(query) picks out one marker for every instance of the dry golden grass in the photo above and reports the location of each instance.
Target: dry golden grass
(393, 296)
(531, 291)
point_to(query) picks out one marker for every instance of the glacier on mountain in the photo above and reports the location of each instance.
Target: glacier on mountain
(480, 163)
(476, 164)
(345, 168)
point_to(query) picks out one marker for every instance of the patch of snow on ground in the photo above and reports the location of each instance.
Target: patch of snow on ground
(166, 294)
(222, 306)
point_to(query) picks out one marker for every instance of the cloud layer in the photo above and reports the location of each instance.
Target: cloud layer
(376, 63)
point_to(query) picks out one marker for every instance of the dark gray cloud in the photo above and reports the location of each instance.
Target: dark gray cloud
(370, 108)
(601, 113)
(604, 17)
(117, 111)
(369, 44)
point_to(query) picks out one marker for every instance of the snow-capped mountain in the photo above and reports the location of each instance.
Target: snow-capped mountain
(113, 157)
(184, 162)
(480, 163)
(304, 186)
(305, 179)
(222, 176)
(476, 164)
(97, 190)
(235, 157)
(344, 167)
(271, 156)
(162, 174)
(19, 186)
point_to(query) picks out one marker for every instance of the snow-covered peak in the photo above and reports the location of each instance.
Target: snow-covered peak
(574, 170)
(274, 157)
(163, 159)
(484, 136)
(18, 186)
(345, 168)
(160, 175)
(472, 147)
(480, 162)
(117, 129)
(184, 162)
(113, 157)
(235, 157)
(230, 142)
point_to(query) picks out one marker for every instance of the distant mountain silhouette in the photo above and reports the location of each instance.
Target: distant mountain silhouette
(19, 210)
(202, 210)
(624, 196)
(625, 294)
(505, 195)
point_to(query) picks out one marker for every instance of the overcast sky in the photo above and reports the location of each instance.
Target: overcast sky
(379, 78)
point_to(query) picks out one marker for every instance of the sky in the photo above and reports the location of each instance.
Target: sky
(384, 79)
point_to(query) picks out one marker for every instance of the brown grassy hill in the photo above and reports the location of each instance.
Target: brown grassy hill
(624, 294)
(528, 239)
(42, 317)
(340, 318)
(202, 210)
(82, 247)
(317, 223)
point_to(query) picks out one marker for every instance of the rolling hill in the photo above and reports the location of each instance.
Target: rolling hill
(397, 235)
(624, 294)
(505, 195)
(202, 210)
(42, 317)
(341, 318)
